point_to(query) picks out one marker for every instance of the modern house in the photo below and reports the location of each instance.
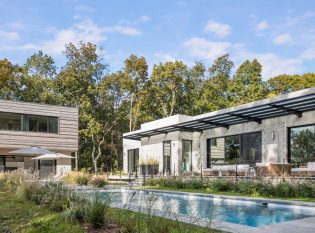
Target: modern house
(278, 132)
(25, 124)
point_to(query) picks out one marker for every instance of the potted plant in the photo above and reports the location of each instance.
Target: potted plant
(149, 167)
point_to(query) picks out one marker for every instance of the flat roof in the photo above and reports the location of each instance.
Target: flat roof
(293, 103)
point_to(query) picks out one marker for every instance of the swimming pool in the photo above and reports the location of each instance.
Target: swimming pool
(249, 213)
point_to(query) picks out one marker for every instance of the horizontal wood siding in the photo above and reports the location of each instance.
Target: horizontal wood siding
(65, 140)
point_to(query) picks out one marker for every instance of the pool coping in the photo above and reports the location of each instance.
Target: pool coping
(222, 196)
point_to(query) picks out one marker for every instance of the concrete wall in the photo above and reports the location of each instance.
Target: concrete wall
(274, 141)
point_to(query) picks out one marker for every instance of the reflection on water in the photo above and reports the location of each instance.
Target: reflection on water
(233, 211)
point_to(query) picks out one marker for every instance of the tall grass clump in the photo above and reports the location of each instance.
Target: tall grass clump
(98, 181)
(78, 178)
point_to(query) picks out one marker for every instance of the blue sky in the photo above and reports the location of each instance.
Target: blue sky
(280, 34)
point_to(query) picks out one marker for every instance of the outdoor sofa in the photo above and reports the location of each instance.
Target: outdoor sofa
(226, 170)
(308, 171)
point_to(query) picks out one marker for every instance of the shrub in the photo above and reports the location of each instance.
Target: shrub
(95, 211)
(221, 185)
(79, 178)
(98, 181)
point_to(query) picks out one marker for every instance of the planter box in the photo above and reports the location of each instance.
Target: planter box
(149, 169)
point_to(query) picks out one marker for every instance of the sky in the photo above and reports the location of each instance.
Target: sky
(280, 34)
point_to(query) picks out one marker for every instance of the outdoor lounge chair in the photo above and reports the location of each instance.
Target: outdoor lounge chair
(304, 171)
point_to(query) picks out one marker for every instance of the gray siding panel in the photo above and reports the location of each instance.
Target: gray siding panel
(65, 140)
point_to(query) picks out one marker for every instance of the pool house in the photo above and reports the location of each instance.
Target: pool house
(28, 126)
(271, 137)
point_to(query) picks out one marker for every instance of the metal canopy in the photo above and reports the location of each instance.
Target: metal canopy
(288, 106)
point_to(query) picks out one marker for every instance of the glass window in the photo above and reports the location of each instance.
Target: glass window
(251, 148)
(133, 160)
(47, 167)
(10, 121)
(31, 123)
(14, 162)
(2, 164)
(302, 145)
(167, 157)
(186, 156)
(241, 149)
(232, 147)
(40, 124)
(216, 153)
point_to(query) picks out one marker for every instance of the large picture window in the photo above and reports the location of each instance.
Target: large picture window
(29, 123)
(301, 145)
(167, 157)
(240, 149)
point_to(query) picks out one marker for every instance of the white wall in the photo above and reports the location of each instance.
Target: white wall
(128, 144)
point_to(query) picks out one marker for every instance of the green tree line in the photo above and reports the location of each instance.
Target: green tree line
(112, 103)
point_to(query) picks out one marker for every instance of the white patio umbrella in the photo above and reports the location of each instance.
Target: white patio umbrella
(53, 156)
(31, 150)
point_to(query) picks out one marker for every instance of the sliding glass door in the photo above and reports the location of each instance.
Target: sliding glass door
(186, 155)
(133, 160)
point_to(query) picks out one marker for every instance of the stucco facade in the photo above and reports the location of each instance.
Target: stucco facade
(274, 136)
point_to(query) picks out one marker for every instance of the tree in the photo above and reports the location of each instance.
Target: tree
(247, 84)
(285, 83)
(135, 83)
(77, 84)
(10, 80)
(215, 89)
(193, 89)
(167, 88)
(38, 79)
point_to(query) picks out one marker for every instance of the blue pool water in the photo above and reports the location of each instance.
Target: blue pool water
(248, 213)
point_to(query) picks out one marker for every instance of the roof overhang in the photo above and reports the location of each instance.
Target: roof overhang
(294, 103)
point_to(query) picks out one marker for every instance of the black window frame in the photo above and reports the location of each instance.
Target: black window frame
(22, 122)
(136, 166)
(191, 142)
(209, 143)
(170, 167)
(289, 158)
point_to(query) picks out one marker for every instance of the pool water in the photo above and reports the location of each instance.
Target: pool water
(248, 213)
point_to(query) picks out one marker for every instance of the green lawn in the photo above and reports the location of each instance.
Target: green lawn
(18, 215)
(208, 191)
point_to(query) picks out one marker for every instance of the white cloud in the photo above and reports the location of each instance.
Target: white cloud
(204, 49)
(272, 64)
(143, 19)
(85, 31)
(262, 25)
(309, 53)
(9, 35)
(165, 57)
(217, 28)
(85, 8)
(298, 19)
(282, 39)
(130, 31)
